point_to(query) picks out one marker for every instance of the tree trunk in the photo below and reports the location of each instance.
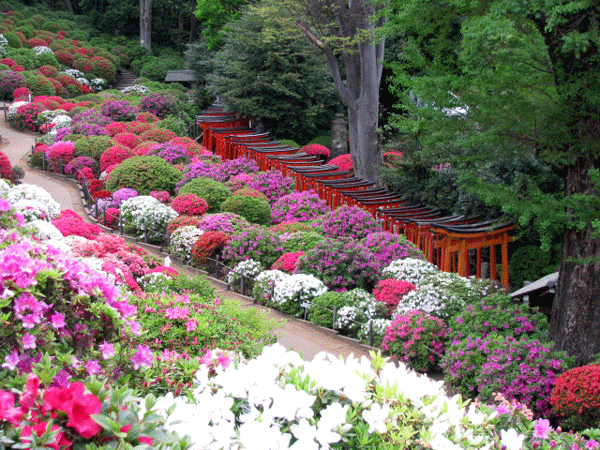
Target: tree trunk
(576, 308)
(179, 24)
(69, 6)
(146, 24)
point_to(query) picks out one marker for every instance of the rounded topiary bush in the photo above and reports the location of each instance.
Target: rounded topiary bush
(359, 308)
(390, 292)
(576, 397)
(264, 285)
(320, 311)
(291, 292)
(341, 264)
(254, 210)
(209, 245)
(182, 240)
(273, 184)
(213, 192)
(145, 174)
(115, 154)
(390, 246)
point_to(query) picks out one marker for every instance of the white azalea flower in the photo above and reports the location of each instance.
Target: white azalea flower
(511, 439)
(376, 416)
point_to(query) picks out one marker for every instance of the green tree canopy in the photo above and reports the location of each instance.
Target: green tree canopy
(268, 70)
(521, 78)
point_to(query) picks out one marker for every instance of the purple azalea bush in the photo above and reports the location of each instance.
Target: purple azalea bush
(254, 242)
(79, 162)
(172, 153)
(232, 167)
(341, 263)
(198, 169)
(90, 122)
(159, 104)
(273, 184)
(119, 110)
(120, 195)
(298, 206)
(389, 247)
(226, 222)
(349, 221)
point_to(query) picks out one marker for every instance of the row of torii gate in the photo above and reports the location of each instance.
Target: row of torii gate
(454, 243)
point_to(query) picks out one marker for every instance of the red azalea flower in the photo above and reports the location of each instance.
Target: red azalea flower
(7, 410)
(60, 442)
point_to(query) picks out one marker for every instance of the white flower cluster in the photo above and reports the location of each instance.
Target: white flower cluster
(270, 403)
(42, 49)
(49, 114)
(40, 199)
(435, 296)
(152, 281)
(4, 188)
(3, 45)
(61, 121)
(73, 73)
(250, 268)
(44, 230)
(98, 83)
(155, 219)
(12, 108)
(360, 308)
(183, 239)
(83, 80)
(298, 288)
(264, 282)
(135, 89)
(409, 269)
(379, 327)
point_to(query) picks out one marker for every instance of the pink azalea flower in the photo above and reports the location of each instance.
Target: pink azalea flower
(28, 341)
(11, 361)
(143, 357)
(58, 320)
(107, 349)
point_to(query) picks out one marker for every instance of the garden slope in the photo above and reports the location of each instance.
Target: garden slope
(296, 335)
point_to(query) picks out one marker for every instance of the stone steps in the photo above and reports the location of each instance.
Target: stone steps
(126, 78)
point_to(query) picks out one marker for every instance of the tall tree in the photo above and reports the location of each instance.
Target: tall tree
(213, 15)
(348, 32)
(524, 77)
(146, 24)
(267, 69)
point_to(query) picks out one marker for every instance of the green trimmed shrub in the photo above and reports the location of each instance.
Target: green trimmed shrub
(212, 191)
(321, 308)
(302, 241)
(254, 210)
(46, 59)
(321, 140)
(13, 39)
(144, 174)
(92, 146)
(38, 84)
(23, 56)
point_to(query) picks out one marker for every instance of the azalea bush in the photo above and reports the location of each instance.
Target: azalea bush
(227, 222)
(254, 210)
(349, 221)
(445, 295)
(182, 241)
(273, 184)
(146, 217)
(75, 414)
(391, 291)
(170, 152)
(300, 206)
(390, 247)
(409, 269)
(189, 205)
(321, 308)
(254, 242)
(575, 397)
(145, 174)
(209, 245)
(417, 338)
(520, 369)
(291, 292)
(211, 191)
(341, 264)
(249, 269)
(344, 162)
(499, 313)
(287, 262)
(301, 241)
(265, 283)
(359, 308)
(234, 167)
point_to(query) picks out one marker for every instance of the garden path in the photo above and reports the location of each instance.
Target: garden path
(297, 335)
